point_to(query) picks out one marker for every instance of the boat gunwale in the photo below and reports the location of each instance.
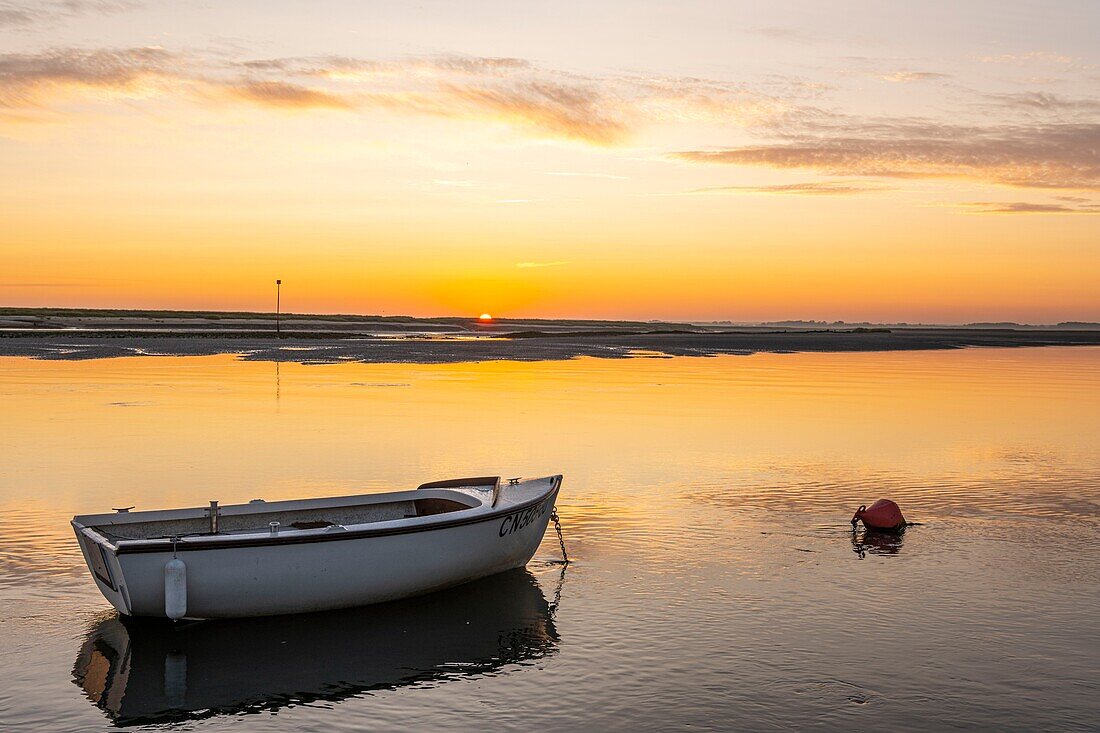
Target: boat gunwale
(91, 525)
(260, 506)
(215, 542)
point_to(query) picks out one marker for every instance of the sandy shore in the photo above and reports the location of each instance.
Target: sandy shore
(332, 339)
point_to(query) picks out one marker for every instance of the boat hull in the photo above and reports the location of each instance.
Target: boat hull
(316, 573)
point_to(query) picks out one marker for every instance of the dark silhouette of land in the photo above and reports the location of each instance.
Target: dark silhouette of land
(47, 333)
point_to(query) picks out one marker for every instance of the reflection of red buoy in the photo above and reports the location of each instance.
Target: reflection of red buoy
(883, 514)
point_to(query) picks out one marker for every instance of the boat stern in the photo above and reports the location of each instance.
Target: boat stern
(102, 561)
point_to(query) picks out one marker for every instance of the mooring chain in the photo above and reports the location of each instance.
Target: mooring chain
(561, 539)
(553, 605)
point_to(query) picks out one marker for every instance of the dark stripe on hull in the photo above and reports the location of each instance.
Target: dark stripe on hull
(279, 540)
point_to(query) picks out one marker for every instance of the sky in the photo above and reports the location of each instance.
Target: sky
(745, 161)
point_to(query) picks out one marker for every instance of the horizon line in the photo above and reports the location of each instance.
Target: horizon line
(809, 322)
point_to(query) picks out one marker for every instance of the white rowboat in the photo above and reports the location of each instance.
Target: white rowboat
(269, 558)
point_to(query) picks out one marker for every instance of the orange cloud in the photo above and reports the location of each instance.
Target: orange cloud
(1024, 207)
(557, 110)
(507, 90)
(905, 77)
(816, 188)
(30, 79)
(1040, 156)
(540, 102)
(287, 95)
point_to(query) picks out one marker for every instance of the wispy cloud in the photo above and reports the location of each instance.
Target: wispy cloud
(13, 16)
(569, 111)
(531, 100)
(288, 96)
(39, 80)
(815, 188)
(787, 34)
(26, 15)
(556, 263)
(1050, 65)
(573, 174)
(907, 77)
(350, 69)
(1028, 57)
(28, 80)
(1035, 156)
(1045, 104)
(1027, 207)
(1040, 151)
(600, 111)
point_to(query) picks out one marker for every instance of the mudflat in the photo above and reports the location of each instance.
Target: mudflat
(85, 334)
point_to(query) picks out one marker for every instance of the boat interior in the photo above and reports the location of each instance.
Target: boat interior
(230, 523)
(437, 497)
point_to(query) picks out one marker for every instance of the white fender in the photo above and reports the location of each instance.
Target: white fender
(175, 589)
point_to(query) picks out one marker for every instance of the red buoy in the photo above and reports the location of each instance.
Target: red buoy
(883, 514)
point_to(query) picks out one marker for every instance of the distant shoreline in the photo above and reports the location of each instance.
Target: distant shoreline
(75, 335)
(44, 317)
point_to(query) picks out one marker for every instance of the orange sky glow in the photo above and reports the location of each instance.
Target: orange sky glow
(682, 161)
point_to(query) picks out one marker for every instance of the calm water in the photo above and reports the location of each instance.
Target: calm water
(716, 581)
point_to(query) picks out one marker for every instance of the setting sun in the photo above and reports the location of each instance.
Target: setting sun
(485, 317)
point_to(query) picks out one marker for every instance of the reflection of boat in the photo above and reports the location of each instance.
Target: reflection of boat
(265, 558)
(141, 671)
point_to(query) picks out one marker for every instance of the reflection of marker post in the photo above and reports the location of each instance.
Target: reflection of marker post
(278, 297)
